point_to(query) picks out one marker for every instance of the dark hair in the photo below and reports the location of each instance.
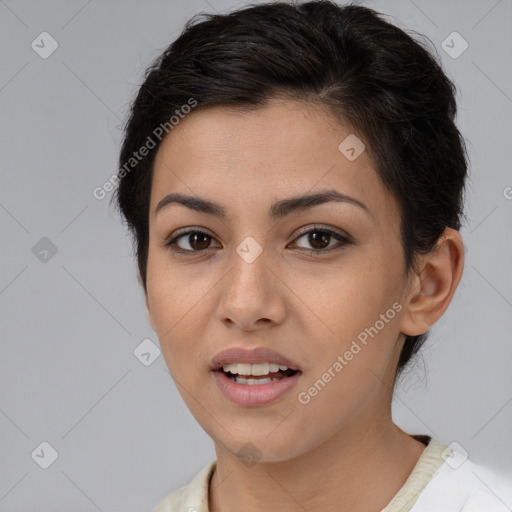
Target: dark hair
(369, 73)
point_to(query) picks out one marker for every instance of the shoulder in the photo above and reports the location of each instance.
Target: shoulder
(461, 485)
(192, 497)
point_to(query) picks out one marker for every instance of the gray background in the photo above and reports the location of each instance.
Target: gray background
(70, 322)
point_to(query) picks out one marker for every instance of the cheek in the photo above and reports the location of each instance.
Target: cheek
(180, 301)
(171, 291)
(358, 322)
(330, 402)
(169, 300)
(347, 297)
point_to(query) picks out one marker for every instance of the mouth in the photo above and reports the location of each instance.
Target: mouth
(252, 377)
(256, 374)
(255, 385)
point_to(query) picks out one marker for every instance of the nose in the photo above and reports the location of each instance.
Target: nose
(252, 294)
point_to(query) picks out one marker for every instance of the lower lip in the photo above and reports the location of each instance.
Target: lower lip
(257, 394)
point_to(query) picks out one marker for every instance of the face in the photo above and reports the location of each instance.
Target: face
(321, 285)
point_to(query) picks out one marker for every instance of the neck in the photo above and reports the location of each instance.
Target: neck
(337, 475)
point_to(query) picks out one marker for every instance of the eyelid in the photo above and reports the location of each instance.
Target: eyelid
(324, 228)
(343, 238)
(173, 237)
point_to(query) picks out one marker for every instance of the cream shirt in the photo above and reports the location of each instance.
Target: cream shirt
(443, 480)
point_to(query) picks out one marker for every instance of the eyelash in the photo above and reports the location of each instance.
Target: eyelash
(171, 243)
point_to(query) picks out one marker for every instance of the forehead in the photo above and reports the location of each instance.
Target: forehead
(244, 158)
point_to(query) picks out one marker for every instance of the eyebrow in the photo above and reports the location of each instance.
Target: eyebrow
(278, 210)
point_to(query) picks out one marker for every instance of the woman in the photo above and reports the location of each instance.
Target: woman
(294, 181)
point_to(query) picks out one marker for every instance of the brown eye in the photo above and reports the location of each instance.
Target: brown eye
(319, 240)
(196, 239)
(199, 241)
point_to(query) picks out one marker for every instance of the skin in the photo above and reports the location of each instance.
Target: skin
(324, 455)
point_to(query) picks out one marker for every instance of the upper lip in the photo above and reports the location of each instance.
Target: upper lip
(251, 355)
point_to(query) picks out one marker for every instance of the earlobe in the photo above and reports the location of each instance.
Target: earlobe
(431, 289)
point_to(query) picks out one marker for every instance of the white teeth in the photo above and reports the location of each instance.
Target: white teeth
(273, 368)
(253, 369)
(259, 369)
(252, 382)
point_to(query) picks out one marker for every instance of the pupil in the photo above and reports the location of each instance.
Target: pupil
(195, 237)
(319, 235)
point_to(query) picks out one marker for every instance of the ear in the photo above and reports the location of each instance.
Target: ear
(433, 284)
